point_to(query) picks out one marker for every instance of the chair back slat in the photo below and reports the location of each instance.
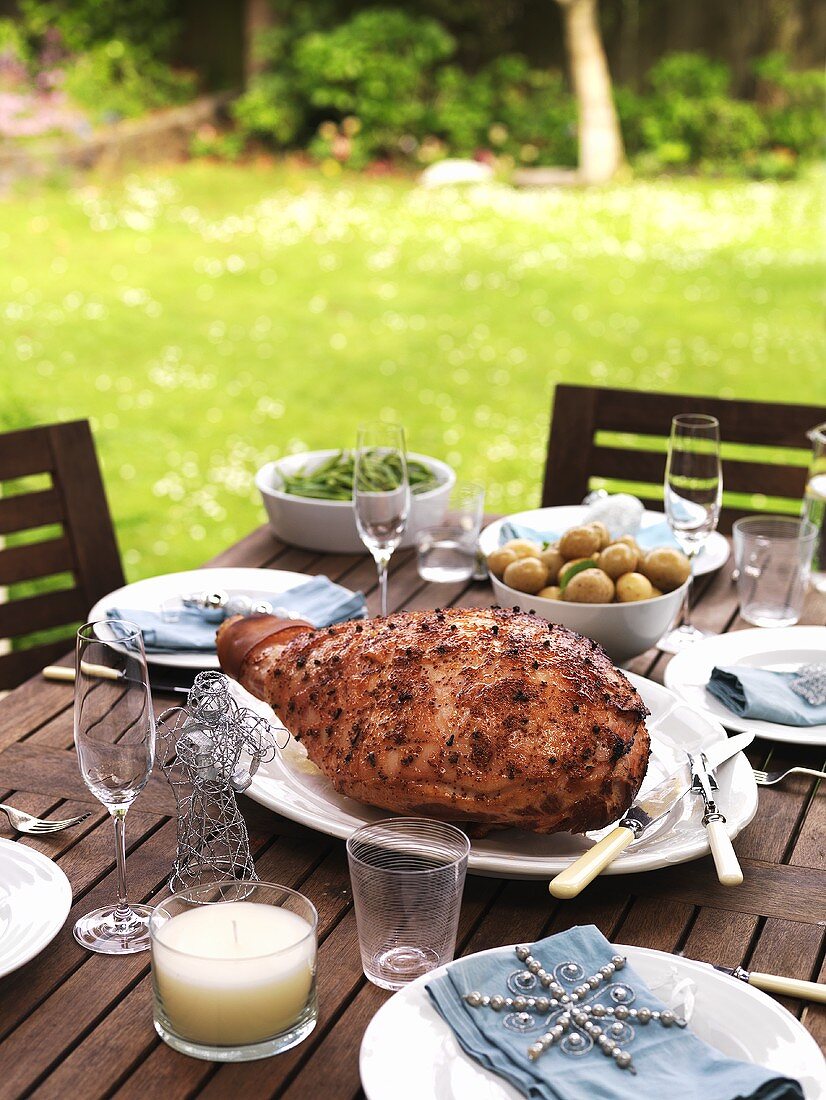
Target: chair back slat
(28, 511)
(24, 452)
(45, 611)
(82, 547)
(36, 559)
(577, 462)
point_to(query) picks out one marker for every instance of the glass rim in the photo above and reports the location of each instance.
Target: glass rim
(695, 420)
(131, 631)
(806, 530)
(154, 926)
(395, 822)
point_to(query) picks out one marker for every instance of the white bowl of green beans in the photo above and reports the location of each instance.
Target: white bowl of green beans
(308, 499)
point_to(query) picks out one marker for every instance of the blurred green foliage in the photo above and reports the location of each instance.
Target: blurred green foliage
(385, 84)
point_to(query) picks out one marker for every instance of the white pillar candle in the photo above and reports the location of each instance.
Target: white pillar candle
(233, 973)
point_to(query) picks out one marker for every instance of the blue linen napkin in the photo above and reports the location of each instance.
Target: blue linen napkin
(669, 1061)
(658, 534)
(318, 600)
(764, 695)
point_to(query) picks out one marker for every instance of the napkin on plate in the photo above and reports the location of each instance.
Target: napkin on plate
(669, 1061)
(658, 534)
(764, 695)
(318, 600)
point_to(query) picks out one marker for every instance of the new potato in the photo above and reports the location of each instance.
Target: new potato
(523, 548)
(632, 587)
(526, 575)
(617, 559)
(579, 542)
(589, 586)
(666, 568)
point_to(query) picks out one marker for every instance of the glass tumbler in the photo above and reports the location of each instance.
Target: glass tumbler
(407, 876)
(446, 553)
(234, 970)
(773, 556)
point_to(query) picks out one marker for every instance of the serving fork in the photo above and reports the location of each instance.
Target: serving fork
(28, 823)
(768, 779)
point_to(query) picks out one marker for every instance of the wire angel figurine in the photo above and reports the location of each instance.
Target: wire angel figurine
(211, 749)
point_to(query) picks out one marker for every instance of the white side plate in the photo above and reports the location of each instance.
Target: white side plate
(292, 786)
(35, 899)
(781, 649)
(148, 595)
(714, 554)
(408, 1052)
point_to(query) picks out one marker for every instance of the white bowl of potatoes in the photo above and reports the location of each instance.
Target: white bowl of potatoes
(623, 597)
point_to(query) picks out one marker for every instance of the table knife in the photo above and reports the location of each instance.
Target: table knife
(645, 812)
(160, 682)
(704, 783)
(774, 983)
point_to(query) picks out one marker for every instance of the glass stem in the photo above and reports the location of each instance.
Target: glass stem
(685, 617)
(122, 912)
(381, 565)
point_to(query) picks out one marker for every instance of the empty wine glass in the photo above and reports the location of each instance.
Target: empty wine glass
(693, 494)
(381, 494)
(115, 740)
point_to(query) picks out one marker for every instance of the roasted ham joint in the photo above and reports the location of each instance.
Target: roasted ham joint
(486, 717)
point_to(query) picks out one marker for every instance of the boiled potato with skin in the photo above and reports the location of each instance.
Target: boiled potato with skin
(666, 568)
(616, 559)
(632, 587)
(523, 548)
(589, 586)
(553, 562)
(602, 531)
(499, 560)
(579, 542)
(563, 569)
(552, 592)
(526, 575)
(629, 540)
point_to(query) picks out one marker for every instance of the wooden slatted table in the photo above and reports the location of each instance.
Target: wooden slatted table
(73, 1024)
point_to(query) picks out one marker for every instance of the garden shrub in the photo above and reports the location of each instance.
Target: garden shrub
(793, 115)
(117, 80)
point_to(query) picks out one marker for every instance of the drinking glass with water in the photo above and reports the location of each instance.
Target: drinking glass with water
(447, 552)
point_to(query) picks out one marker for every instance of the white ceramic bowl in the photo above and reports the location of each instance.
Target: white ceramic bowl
(329, 525)
(624, 630)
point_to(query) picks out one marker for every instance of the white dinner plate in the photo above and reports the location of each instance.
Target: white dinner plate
(714, 554)
(148, 595)
(294, 787)
(780, 649)
(35, 899)
(409, 1053)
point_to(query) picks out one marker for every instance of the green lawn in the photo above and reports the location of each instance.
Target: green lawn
(210, 318)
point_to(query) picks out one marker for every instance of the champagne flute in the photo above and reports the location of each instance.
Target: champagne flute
(381, 494)
(115, 739)
(693, 495)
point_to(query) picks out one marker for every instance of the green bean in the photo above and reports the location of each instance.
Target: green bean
(333, 478)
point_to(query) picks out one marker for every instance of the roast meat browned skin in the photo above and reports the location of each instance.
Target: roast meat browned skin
(486, 717)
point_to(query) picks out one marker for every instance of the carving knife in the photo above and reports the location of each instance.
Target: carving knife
(774, 983)
(645, 812)
(180, 683)
(704, 784)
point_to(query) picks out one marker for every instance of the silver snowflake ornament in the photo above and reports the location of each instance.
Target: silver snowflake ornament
(568, 1009)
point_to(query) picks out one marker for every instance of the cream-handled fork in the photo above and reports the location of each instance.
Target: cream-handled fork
(28, 823)
(768, 779)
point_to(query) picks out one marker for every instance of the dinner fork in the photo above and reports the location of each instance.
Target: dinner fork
(28, 823)
(768, 779)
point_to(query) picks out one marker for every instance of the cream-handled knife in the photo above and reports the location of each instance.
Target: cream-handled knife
(774, 983)
(704, 783)
(645, 812)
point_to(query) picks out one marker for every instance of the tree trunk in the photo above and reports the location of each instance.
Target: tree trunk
(258, 17)
(600, 140)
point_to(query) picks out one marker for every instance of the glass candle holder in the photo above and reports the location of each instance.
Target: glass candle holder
(234, 970)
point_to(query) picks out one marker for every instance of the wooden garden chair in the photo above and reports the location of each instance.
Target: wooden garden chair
(50, 485)
(601, 437)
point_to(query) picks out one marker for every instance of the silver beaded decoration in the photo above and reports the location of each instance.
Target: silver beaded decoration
(809, 682)
(567, 1007)
(211, 749)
